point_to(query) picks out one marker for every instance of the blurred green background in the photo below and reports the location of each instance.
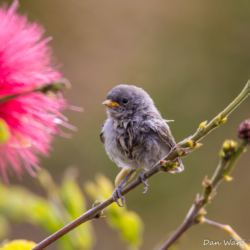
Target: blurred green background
(193, 58)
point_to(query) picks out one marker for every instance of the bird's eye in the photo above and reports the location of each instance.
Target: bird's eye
(125, 101)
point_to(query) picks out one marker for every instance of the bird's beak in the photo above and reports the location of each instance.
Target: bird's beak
(109, 103)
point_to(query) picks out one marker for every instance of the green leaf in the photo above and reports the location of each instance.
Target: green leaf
(72, 196)
(128, 224)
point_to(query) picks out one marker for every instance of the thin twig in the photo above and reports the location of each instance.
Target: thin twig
(196, 212)
(180, 151)
(59, 85)
(240, 242)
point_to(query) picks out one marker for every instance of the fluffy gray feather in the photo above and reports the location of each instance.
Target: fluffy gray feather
(135, 135)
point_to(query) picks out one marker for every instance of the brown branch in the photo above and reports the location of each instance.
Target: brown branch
(229, 156)
(183, 148)
(58, 85)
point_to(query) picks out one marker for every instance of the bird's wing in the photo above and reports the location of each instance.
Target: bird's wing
(102, 133)
(163, 131)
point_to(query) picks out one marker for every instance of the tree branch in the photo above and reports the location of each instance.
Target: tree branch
(59, 85)
(229, 155)
(241, 243)
(183, 148)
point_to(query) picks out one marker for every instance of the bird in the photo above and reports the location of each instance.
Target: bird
(135, 135)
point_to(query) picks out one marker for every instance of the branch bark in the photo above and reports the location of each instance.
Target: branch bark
(183, 148)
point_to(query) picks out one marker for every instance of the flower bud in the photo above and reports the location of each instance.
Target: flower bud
(223, 121)
(168, 165)
(96, 203)
(190, 143)
(229, 146)
(222, 154)
(244, 130)
(197, 145)
(203, 124)
(217, 120)
(206, 183)
(228, 178)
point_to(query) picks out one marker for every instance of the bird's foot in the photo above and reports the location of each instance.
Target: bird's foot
(117, 194)
(142, 178)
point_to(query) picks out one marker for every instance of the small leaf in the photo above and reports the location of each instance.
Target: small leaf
(128, 224)
(197, 145)
(96, 203)
(91, 189)
(190, 143)
(217, 120)
(71, 194)
(105, 186)
(228, 178)
(131, 228)
(203, 124)
(226, 146)
(168, 165)
(223, 121)
(222, 154)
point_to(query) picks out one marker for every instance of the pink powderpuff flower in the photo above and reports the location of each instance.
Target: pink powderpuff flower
(32, 118)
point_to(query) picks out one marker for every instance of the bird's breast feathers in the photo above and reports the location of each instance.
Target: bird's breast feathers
(136, 143)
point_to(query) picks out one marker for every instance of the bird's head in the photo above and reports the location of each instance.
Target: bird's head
(127, 99)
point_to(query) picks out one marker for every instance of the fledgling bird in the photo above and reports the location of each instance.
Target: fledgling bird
(135, 135)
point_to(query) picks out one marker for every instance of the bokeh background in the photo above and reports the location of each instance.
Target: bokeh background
(193, 58)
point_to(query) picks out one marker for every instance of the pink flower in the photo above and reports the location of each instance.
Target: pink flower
(33, 118)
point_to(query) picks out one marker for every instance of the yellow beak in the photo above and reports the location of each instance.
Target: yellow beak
(109, 103)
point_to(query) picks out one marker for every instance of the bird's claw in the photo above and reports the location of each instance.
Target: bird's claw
(142, 178)
(117, 194)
